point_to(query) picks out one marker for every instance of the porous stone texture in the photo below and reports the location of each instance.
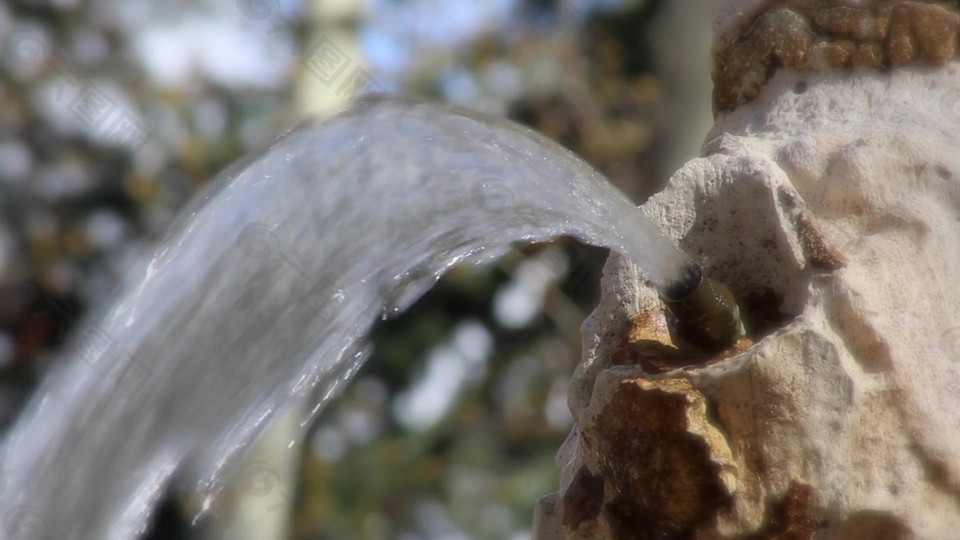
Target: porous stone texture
(830, 205)
(820, 35)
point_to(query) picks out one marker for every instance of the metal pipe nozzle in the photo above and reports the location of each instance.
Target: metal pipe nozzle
(705, 310)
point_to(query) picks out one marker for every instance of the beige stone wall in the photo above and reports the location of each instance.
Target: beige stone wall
(828, 199)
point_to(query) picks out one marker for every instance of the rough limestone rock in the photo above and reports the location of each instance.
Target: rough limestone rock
(828, 200)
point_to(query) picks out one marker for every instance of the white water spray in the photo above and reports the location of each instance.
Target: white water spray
(266, 287)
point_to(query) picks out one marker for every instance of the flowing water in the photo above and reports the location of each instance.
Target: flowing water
(265, 288)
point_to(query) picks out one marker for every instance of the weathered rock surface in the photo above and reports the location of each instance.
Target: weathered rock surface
(754, 41)
(830, 205)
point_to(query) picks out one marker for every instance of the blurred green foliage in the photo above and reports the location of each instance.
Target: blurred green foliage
(478, 470)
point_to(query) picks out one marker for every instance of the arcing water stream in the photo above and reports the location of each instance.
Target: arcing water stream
(266, 288)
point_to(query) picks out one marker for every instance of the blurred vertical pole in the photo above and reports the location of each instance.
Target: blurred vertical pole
(264, 502)
(333, 22)
(681, 36)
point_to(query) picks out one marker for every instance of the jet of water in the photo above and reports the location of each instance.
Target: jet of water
(266, 287)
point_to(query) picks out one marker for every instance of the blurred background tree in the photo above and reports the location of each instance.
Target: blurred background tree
(113, 113)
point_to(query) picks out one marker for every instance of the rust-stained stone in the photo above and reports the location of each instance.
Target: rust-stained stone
(843, 22)
(881, 25)
(819, 252)
(935, 30)
(843, 395)
(739, 71)
(816, 248)
(868, 55)
(668, 467)
(818, 37)
(901, 47)
(826, 54)
(650, 345)
(789, 519)
(650, 326)
(790, 36)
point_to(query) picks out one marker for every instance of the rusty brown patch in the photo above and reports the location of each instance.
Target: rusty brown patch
(789, 517)
(583, 499)
(819, 37)
(777, 37)
(649, 345)
(818, 251)
(650, 325)
(665, 481)
(868, 55)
